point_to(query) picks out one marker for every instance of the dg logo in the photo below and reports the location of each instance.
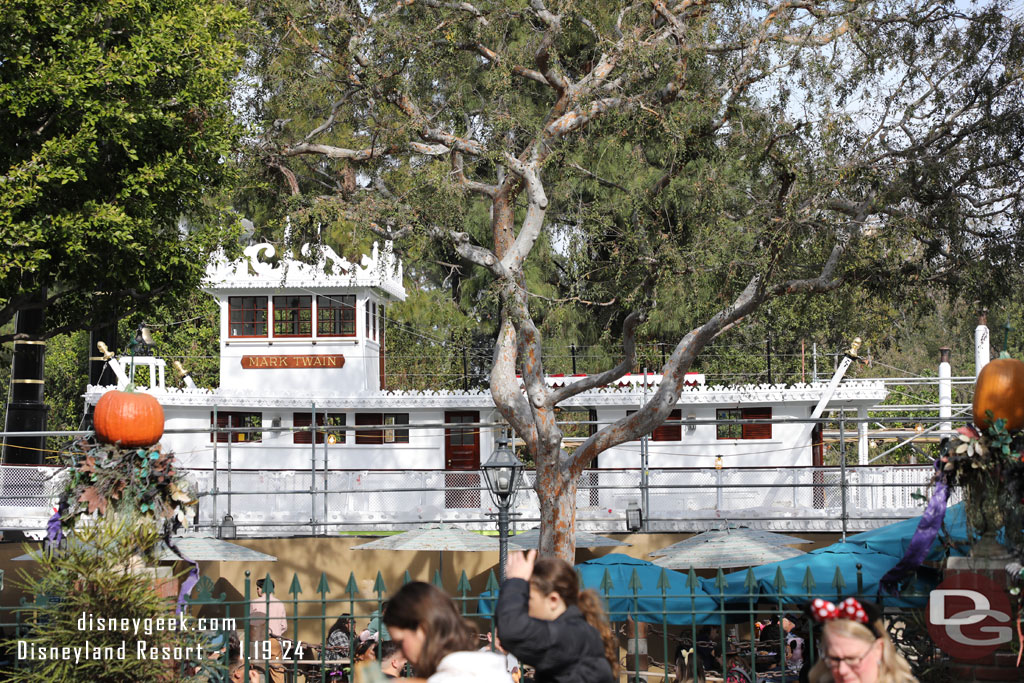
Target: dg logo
(968, 616)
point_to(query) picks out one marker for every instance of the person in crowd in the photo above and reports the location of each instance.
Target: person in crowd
(776, 628)
(855, 647)
(709, 648)
(392, 659)
(268, 621)
(511, 663)
(375, 629)
(737, 668)
(366, 651)
(338, 637)
(784, 629)
(437, 641)
(796, 642)
(686, 661)
(234, 646)
(237, 673)
(547, 622)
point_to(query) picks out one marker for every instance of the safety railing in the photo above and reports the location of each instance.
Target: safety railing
(288, 502)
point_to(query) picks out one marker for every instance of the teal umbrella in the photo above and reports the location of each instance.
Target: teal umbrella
(640, 590)
(893, 539)
(833, 573)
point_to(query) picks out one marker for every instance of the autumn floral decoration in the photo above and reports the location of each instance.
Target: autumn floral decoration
(139, 482)
(988, 466)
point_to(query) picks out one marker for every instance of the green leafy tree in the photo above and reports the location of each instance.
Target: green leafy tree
(117, 124)
(693, 163)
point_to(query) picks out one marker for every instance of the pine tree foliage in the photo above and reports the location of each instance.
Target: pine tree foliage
(96, 575)
(670, 168)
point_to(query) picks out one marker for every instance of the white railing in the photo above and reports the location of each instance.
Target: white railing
(287, 502)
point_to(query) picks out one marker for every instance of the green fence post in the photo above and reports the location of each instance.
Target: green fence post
(692, 582)
(352, 590)
(323, 588)
(663, 587)
(247, 620)
(295, 588)
(463, 588)
(635, 586)
(380, 589)
(839, 584)
(492, 588)
(751, 586)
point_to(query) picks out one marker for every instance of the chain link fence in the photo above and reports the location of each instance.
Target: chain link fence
(263, 502)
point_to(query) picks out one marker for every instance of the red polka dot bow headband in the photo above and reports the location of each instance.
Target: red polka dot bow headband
(823, 610)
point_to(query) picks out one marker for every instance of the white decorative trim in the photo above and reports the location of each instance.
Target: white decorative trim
(381, 270)
(858, 392)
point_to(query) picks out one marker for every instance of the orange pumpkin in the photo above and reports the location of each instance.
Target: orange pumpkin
(1000, 388)
(130, 418)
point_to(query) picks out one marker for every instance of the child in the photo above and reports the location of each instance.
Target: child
(437, 641)
(545, 621)
(686, 660)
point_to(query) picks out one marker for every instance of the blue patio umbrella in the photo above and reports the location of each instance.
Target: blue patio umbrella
(833, 572)
(642, 591)
(893, 539)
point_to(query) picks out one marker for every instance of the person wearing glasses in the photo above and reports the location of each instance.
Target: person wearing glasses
(855, 647)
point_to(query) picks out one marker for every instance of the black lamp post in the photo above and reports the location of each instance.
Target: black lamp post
(501, 473)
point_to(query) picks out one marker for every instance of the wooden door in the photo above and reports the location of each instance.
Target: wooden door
(462, 460)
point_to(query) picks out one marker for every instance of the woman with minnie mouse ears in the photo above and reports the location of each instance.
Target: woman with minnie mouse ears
(855, 647)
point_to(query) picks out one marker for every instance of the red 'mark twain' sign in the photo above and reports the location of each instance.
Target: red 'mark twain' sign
(333, 360)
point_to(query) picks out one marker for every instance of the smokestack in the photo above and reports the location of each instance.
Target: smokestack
(27, 412)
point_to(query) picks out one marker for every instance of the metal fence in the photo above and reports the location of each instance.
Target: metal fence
(651, 622)
(308, 502)
(311, 502)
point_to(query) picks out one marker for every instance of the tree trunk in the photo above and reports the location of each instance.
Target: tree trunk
(557, 495)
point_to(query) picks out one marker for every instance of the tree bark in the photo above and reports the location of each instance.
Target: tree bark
(556, 491)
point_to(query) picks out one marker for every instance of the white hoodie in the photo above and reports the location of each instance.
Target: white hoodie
(471, 667)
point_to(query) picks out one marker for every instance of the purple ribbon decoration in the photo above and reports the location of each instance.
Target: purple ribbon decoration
(55, 527)
(186, 587)
(193, 574)
(924, 536)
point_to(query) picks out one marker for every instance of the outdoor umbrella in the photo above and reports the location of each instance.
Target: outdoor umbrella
(198, 549)
(531, 539)
(732, 536)
(893, 539)
(644, 591)
(439, 538)
(833, 573)
(726, 552)
(636, 589)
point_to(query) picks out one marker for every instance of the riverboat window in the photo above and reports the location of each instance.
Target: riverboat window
(391, 434)
(227, 419)
(667, 432)
(334, 436)
(367, 332)
(380, 321)
(336, 315)
(247, 316)
(744, 431)
(293, 316)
